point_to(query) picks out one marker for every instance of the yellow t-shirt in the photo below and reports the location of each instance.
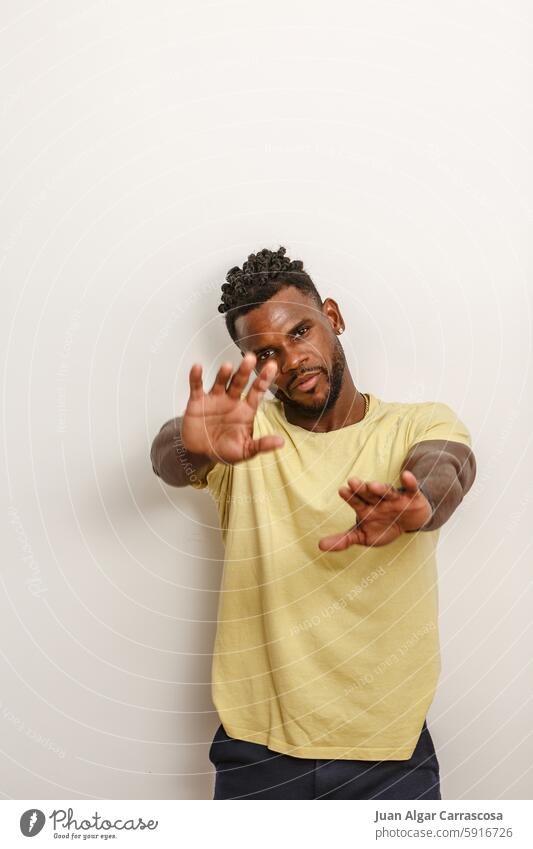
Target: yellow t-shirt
(325, 654)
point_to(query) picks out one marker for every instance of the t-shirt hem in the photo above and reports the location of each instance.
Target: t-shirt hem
(359, 753)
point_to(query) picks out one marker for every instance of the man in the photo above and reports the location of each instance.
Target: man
(326, 656)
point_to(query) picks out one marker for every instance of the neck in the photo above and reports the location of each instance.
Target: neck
(348, 409)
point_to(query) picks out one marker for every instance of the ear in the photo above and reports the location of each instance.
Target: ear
(331, 310)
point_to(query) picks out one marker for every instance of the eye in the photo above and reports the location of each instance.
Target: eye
(303, 330)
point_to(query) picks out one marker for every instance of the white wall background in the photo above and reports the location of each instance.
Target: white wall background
(148, 147)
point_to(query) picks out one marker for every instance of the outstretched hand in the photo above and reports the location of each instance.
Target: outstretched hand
(383, 512)
(219, 423)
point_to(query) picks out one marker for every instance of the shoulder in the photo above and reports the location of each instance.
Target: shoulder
(415, 409)
(421, 421)
(268, 416)
(268, 408)
(436, 420)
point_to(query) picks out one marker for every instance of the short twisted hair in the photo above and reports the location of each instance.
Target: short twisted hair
(262, 276)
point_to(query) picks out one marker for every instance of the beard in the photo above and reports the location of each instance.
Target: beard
(316, 407)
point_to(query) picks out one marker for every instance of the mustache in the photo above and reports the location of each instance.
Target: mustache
(308, 371)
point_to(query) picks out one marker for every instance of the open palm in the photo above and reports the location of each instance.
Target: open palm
(383, 512)
(219, 423)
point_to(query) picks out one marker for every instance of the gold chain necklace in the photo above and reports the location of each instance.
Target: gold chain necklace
(367, 403)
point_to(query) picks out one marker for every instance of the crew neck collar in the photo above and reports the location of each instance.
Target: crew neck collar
(372, 407)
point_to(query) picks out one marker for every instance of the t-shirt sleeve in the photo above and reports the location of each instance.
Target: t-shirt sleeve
(436, 420)
(219, 483)
(212, 480)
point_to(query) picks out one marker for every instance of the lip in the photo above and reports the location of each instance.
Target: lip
(308, 382)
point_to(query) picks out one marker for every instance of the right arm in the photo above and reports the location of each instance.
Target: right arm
(216, 427)
(171, 461)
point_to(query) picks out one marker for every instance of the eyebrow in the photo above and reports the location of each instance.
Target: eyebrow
(258, 351)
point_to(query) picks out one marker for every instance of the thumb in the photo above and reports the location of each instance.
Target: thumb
(266, 443)
(409, 481)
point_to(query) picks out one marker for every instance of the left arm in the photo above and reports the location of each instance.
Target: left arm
(444, 471)
(435, 476)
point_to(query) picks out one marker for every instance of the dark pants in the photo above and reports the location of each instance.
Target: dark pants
(250, 771)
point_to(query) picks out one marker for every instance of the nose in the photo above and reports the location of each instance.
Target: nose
(293, 360)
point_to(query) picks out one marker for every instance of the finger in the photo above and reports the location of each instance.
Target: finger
(195, 383)
(219, 386)
(340, 542)
(373, 492)
(383, 490)
(409, 481)
(355, 501)
(360, 488)
(260, 385)
(267, 443)
(368, 512)
(385, 512)
(240, 378)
